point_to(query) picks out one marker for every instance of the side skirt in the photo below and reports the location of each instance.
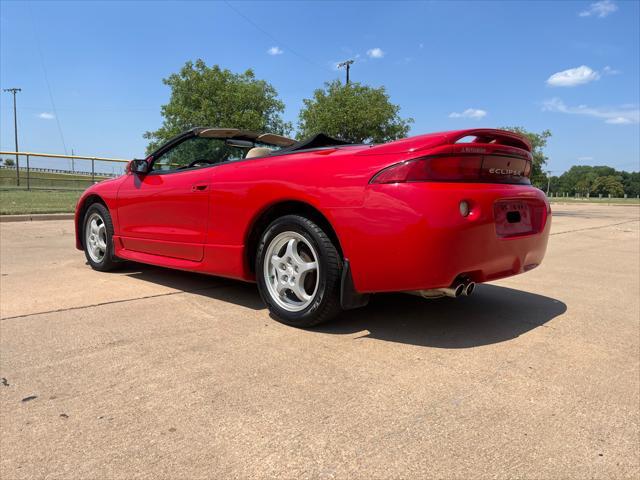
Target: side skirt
(218, 260)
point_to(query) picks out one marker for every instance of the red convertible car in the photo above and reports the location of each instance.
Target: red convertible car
(322, 224)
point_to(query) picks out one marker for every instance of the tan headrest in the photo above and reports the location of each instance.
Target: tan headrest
(258, 152)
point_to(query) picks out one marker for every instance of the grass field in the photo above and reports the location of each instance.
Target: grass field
(13, 202)
(51, 192)
(46, 180)
(608, 201)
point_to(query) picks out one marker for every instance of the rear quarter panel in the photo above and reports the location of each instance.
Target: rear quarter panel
(327, 180)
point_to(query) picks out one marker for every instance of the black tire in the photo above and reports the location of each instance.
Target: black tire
(326, 302)
(109, 261)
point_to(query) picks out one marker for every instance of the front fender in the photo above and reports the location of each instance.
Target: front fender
(105, 192)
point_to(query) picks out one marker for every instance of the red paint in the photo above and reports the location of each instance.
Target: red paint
(397, 236)
(165, 214)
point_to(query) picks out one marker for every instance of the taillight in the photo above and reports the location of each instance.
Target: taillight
(438, 169)
(463, 168)
(398, 173)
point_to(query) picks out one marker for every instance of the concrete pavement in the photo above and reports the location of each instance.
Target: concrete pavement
(151, 373)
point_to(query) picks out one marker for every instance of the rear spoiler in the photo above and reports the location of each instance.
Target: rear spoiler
(484, 136)
(494, 136)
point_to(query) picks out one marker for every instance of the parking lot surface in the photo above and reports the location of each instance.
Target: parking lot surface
(151, 373)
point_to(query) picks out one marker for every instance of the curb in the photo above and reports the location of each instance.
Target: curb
(36, 217)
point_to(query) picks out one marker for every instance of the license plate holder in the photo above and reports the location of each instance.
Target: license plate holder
(513, 218)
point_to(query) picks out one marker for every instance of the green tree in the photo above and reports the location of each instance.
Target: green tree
(584, 185)
(216, 97)
(608, 185)
(9, 162)
(581, 179)
(538, 143)
(631, 183)
(574, 180)
(554, 184)
(353, 112)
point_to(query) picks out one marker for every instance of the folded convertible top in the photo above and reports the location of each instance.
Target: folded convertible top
(317, 141)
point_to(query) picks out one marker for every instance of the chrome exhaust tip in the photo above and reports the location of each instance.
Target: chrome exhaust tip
(469, 288)
(454, 291)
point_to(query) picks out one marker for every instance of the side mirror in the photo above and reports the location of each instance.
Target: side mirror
(138, 166)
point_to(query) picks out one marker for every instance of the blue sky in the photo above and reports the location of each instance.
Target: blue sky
(92, 71)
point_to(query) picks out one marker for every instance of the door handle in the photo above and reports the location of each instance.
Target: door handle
(199, 188)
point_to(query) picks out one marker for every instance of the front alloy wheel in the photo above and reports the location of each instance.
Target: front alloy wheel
(97, 238)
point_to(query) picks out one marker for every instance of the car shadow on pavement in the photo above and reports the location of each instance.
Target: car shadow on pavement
(231, 291)
(492, 314)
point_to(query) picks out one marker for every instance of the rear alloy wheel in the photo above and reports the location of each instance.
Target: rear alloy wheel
(298, 272)
(97, 239)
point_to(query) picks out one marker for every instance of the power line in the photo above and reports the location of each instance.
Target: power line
(46, 79)
(258, 27)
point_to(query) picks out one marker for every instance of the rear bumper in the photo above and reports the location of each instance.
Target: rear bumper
(412, 237)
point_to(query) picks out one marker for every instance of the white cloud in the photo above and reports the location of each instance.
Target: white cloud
(579, 76)
(46, 116)
(469, 113)
(375, 53)
(600, 9)
(622, 115)
(620, 121)
(573, 76)
(275, 51)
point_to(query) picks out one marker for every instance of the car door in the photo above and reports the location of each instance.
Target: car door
(165, 211)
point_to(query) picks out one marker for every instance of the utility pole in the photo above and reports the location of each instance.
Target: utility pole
(73, 164)
(347, 64)
(15, 129)
(548, 181)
